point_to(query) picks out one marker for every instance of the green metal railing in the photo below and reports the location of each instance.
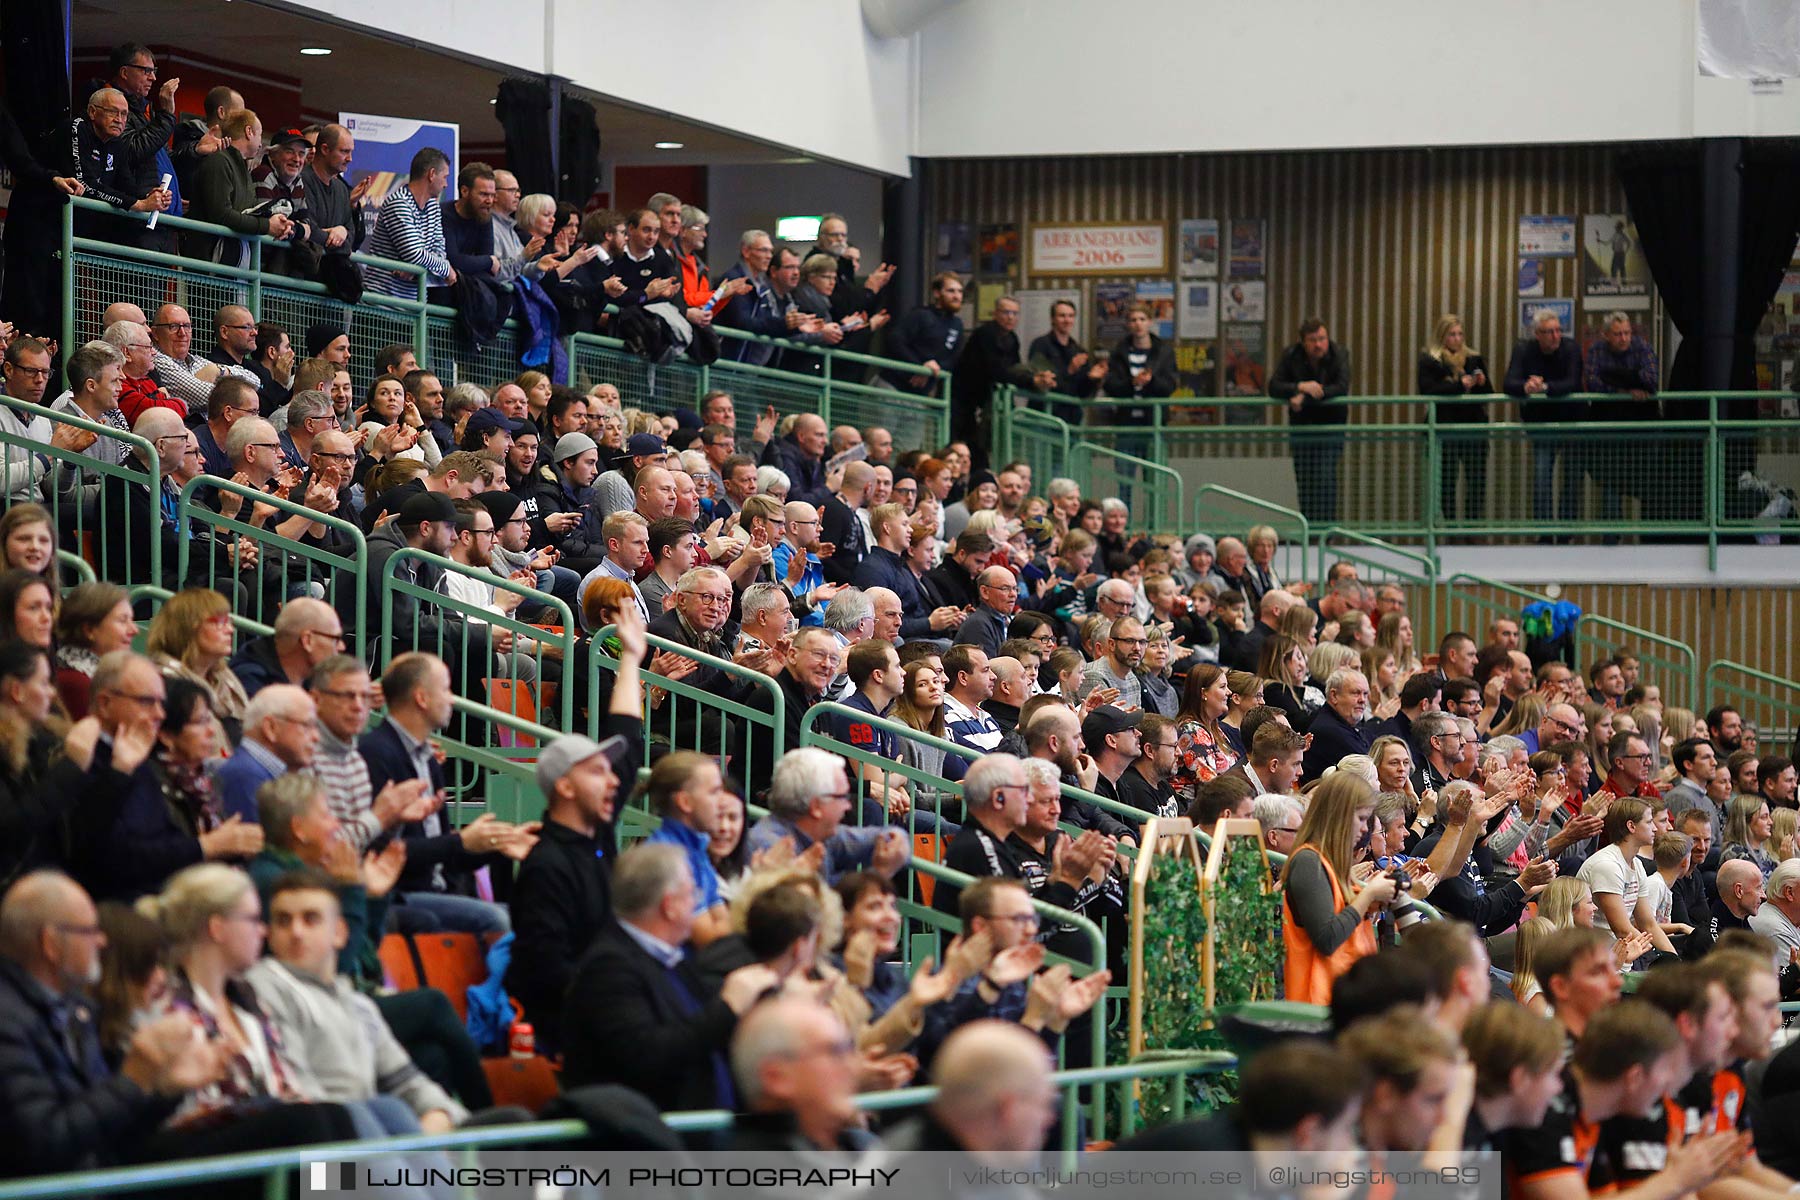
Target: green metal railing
(72, 486)
(104, 272)
(687, 717)
(521, 670)
(1379, 562)
(1676, 477)
(1113, 472)
(1768, 701)
(1219, 509)
(277, 1167)
(1670, 663)
(284, 566)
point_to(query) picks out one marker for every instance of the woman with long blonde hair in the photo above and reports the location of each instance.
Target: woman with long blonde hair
(1394, 634)
(1525, 986)
(1451, 369)
(1324, 912)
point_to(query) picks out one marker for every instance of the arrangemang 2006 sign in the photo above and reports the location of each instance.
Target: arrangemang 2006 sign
(1140, 248)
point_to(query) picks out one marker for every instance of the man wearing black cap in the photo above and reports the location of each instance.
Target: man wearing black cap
(563, 896)
(1111, 736)
(426, 522)
(615, 492)
(279, 185)
(489, 431)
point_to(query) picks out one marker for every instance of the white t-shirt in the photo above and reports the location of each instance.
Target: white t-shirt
(1607, 871)
(1662, 900)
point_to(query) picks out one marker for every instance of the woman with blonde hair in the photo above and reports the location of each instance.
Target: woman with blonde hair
(1326, 658)
(214, 924)
(1748, 833)
(1281, 666)
(1300, 623)
(1383, 674)
(191, 638)
(1395, 634)
(1678, 723)
(1525, 986)
(1355, 630)
(1324, 912)
(537, 387)
(1527, 713)
(1450, 369)
(1568, 903)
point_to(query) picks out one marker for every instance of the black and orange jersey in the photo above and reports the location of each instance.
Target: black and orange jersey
(1717, 1103)
(1565, 1143)
(1639, 1146)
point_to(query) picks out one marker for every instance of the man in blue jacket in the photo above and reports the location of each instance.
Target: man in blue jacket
(931, 335)
(1335, 728)
(885, 568)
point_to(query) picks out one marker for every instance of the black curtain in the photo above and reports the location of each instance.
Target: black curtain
(34, 42)
(523, 109)
(580, 151)
(1771, 222)
(1663, 191)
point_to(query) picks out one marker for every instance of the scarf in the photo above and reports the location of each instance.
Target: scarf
(1453, 361)
(188, 790)
(78, 658)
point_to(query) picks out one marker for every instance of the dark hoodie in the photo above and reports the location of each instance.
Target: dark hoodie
(561, 901)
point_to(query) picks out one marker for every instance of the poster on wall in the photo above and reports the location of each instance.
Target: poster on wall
(1248, 255)
(1564, 310)
(1614, 272)
(955, 248)
(1112, 305)
(1036, 317)
(999, 249)
(1197, 310)
(1198, 250)
(1545, 236)
(1531, 277)
(1140, 248)
(1246, 360)
(987, 294)
(385, 147)
(1244, 300)
(1159, 297)
(1196, 374)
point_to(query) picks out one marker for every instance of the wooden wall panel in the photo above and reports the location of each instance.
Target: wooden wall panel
(1377, 242)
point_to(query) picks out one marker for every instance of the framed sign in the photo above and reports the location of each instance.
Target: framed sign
(1140, 248)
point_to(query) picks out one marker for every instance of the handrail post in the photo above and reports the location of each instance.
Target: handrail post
(1714, 475)
(68, 280)
(1434, 489)
(256, 276)
(825, 391)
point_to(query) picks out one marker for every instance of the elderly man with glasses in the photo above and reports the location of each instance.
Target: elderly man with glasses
(184, 374)
(986, 627)
(809, 796)
(344, 696)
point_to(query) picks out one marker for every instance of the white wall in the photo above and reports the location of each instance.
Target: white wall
(747, 66)
(1075, 77)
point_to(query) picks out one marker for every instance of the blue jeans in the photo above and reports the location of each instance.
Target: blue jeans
(454, 914)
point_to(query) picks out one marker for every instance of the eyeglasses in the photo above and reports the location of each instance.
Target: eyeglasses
(266, 445)
(1125, 641)
(710, 598)
(518, 521)
(1002, 587)
(140, 68)
(149, 701)
(339, 638)
(177, 326)
(248, 325)
(303, 721)
(1022, 920)
(334, 456)
(34, 372)
(1645, 754)
(351, 697)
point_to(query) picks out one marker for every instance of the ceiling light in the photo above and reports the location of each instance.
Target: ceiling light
(315, 51)
(669, 145)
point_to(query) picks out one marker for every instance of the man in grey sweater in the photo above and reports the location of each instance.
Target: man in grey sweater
(334, 1036)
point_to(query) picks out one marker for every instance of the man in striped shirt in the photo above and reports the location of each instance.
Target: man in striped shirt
(410, 229)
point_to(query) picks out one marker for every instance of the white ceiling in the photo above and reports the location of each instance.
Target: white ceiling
(361, 74)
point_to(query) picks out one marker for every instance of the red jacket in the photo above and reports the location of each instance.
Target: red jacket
(136, 396)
